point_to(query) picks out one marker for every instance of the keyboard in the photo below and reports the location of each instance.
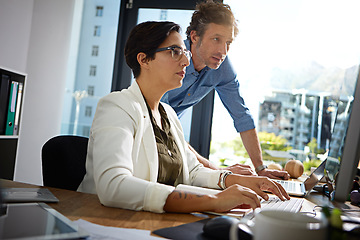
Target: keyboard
(274, 203)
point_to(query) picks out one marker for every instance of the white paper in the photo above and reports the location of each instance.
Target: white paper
(98, 232)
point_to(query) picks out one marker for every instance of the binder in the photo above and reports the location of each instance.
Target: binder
(11, 109)
(17, 110)
(4, 96)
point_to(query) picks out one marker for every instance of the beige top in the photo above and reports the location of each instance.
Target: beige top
(170, 161)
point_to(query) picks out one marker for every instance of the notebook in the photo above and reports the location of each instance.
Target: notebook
(302, 189)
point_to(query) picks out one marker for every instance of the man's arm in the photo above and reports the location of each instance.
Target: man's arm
(252, 146)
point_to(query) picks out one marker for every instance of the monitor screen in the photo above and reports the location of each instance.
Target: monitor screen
(343, 161)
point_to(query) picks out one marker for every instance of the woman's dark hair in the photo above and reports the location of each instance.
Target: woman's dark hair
(146, 37)
(211, 12)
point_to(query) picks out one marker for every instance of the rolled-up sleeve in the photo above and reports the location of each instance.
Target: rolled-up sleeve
(229, 93)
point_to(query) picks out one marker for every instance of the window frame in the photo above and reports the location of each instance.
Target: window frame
(92, 71)
(97, 31)
(95, 50)
(88, 111)
(91, 90)
(99, 11)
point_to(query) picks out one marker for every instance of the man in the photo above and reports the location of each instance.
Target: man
(209, 36)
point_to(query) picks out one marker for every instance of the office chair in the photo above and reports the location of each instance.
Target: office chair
(63, 161)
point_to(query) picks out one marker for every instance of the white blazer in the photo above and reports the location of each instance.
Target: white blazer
(122, 160)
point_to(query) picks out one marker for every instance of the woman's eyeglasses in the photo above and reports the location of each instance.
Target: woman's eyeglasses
(176, 52)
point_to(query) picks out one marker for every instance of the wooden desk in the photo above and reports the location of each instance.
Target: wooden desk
(76, 205)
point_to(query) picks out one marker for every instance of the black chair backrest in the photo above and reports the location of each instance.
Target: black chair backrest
(63, 161)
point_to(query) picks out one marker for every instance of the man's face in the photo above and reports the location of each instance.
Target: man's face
(211, 49)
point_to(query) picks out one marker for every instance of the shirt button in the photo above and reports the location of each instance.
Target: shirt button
(189, 94)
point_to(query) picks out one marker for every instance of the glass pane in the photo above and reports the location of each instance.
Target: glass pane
(91, 65)
(297, 66)
(183, 18)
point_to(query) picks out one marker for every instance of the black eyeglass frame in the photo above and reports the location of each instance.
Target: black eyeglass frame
(185, 52)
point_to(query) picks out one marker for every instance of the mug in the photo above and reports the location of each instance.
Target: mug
(284, 225)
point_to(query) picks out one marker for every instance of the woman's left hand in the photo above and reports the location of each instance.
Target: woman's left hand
(258, 185)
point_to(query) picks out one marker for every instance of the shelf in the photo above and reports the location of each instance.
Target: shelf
(9, 136)
(12, 89)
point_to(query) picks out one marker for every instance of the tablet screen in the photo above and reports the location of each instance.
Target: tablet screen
(37, 221)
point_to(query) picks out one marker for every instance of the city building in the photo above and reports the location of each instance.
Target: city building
(300, 116)
(94, 47)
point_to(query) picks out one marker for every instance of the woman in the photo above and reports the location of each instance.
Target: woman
(137, 152)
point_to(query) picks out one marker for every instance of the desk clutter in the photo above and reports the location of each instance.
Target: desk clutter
(100, 222)
(269, 225)
(189, 231)
(100, 232)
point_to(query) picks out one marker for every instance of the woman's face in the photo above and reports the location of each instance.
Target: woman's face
(168, 72)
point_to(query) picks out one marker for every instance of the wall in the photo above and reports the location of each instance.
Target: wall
(35, 39)
(15, 26)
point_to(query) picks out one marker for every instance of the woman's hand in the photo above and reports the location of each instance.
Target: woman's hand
(258, 185)
(235, 196)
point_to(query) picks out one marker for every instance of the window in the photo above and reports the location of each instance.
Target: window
(86, 131)
(302, 74)
(86, 52)
(99, 11)
(97, 30)
(95, 51)
(92, 70)
(88, 111)
(181, 17)
(90, 90)
(163, 14)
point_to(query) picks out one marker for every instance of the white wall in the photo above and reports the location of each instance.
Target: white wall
(15, 27)
(35, 39)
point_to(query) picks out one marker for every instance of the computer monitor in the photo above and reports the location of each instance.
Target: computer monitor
(349, 160)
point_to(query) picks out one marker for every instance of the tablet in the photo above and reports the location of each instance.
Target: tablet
(36, 221)
(23, 195)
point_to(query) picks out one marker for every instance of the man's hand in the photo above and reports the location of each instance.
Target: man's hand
(275, 174)
(241, 169)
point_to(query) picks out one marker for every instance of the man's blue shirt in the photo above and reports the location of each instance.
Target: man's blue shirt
(196, 85)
